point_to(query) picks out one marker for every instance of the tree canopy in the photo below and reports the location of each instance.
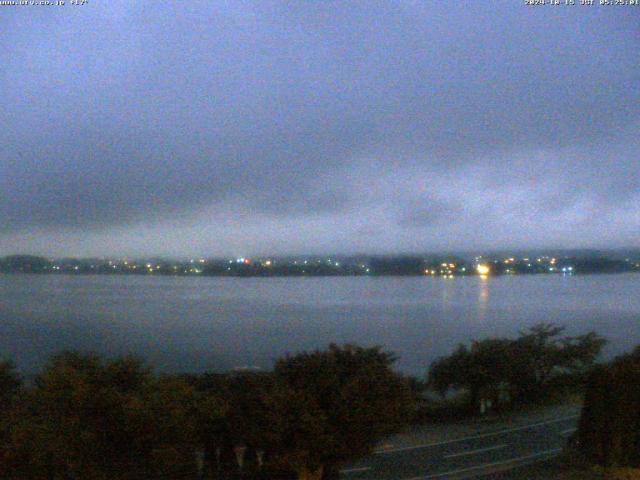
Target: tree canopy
(609, 425)
(89, 418)
(346, 398)
(521, 368)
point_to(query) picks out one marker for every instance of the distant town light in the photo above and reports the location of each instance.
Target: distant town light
(483, 269)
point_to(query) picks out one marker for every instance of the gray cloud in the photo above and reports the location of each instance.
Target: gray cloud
(427, 211)
(122, 120)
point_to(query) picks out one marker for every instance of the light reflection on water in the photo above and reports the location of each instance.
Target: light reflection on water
(180, 323)
(483, 297)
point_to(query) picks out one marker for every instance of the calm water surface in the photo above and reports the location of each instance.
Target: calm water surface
(195, 324)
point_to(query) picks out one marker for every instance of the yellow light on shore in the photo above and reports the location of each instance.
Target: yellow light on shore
(483, 269)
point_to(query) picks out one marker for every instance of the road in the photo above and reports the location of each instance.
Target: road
(477, 455)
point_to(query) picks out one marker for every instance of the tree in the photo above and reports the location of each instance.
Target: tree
(173, 413)
(541, 353)
(609, 425)
(299, 433)
(332, 406)
(90, 419)
(481, 370)
(523, 366)
(447, 373)
(10, 383)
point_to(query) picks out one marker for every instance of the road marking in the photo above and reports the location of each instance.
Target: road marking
(474, 437)
(487, 465)
(473, 452)
(354, 470)
(569, 430)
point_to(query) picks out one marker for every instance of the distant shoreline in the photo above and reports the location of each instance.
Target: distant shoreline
(389, 275)
(333, 266)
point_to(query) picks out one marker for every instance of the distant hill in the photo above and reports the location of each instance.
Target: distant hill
(24, 264)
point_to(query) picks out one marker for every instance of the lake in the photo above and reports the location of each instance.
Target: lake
(212, 323)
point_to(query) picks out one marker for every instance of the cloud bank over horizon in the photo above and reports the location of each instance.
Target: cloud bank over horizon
(226, 128)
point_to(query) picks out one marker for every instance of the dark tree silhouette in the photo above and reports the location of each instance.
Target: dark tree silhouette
(333, 406)
(521, 367)
(609, 429)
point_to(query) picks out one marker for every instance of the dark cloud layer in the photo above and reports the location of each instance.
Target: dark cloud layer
(249, 127)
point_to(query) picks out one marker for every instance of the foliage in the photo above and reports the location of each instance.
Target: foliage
(93, 420)
(344, 399)
(10, 382)
(610, 421)
(514, 369)
(298, 436)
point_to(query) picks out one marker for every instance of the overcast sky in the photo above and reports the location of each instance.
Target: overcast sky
(244, 128)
